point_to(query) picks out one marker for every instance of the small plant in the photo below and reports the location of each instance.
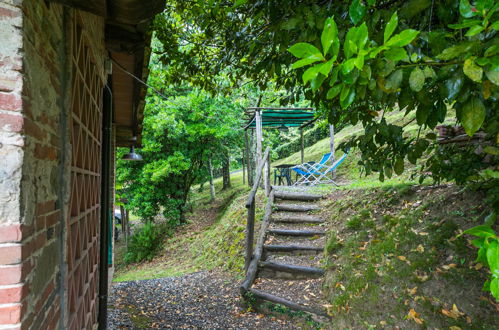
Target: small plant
(354, 223)
(332, 244)
(145, 242)
(488, 252)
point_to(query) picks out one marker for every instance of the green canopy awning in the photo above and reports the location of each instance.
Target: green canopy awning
(279, 117)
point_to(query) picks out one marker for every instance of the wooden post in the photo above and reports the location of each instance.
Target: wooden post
(302, 146)
(212, 185)
(259, 138)
(331, 145)
(250, 233)
(122, 213)
(244, 168)
(267, 177)
(248, 162)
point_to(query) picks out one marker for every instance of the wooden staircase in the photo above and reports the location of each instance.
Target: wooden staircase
(286, 265)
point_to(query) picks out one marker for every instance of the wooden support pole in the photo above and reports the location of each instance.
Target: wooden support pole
(302, 147)
(250, 234)
(331, 145)
(259, 138)
(248, 162)
(267, 177)
(244, 168)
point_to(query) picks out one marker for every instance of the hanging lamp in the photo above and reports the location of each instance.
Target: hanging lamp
(132, 155)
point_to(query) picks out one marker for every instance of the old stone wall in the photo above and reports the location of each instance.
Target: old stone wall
(36, 79)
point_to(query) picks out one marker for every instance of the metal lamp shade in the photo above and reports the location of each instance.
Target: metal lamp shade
(132, 155)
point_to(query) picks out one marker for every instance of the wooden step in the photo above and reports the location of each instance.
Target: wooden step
(297, 219)
(290, 232)
(296, 207)
(296, 196)
(270, 269)
(291, 305)
(293, 249)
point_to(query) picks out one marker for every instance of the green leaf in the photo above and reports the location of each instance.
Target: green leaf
(325, 68)
(311, 73)
(316, 83)
(333, 92)
(361, 36)
(403, 38)
(398, 166)
(492, 50)
(390, 27)
(493, 255)
(473, 115)
(347, 66)
(350, 40)
(455, 51)
(357, 11)
(465, 24)
(348, 98)
(394, 80)
(465, 9)
(493, 75)
(494, 288)
(359, 62)
(416, 79)
(473, 71)
(304, 50)
(344, 92)
(396, 54)
(306, 61)
(474, 30)
(422, 114)
(495, 25)
(429, 72)
(329, 35)
(334, 75)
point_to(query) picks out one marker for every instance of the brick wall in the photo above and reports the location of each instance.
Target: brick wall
(35, 163)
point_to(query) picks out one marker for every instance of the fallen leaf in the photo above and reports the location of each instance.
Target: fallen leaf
(454, 328)
(412, 291)
(449, 266)
(453, 313)
(423, 233)
(420, 248)
(478, 266)
(413, 315)
(468, 319)
(402, 258)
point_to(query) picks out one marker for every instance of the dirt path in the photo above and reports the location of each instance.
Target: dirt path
(204, 300)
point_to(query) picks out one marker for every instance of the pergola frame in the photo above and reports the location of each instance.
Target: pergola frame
(300, 117)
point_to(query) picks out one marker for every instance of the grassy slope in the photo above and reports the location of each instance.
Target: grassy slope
(394, 249)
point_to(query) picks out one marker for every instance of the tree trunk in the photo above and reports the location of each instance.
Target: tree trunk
(226, 171)
(212, 185)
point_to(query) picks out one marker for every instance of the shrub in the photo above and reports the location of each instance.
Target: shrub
(146, 242)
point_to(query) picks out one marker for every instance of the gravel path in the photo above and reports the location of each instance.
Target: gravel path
(204, 300)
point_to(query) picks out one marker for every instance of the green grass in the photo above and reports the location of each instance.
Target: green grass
(395, 248)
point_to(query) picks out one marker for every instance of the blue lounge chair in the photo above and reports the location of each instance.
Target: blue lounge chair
(313, 174)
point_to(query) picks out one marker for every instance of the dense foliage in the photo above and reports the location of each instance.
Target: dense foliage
(358, 59)
(178, 137)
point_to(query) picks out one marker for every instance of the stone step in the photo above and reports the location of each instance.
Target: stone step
(292, 249)
(288, 303)
(270, 269)
(296, 207)
(296, 196)
(318, 241)
(291, 232)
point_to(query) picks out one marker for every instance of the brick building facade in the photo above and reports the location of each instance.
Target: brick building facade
(55, 63)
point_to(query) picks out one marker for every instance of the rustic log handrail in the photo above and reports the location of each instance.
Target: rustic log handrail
(250, 204)
(253, 264)
(258, 178)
